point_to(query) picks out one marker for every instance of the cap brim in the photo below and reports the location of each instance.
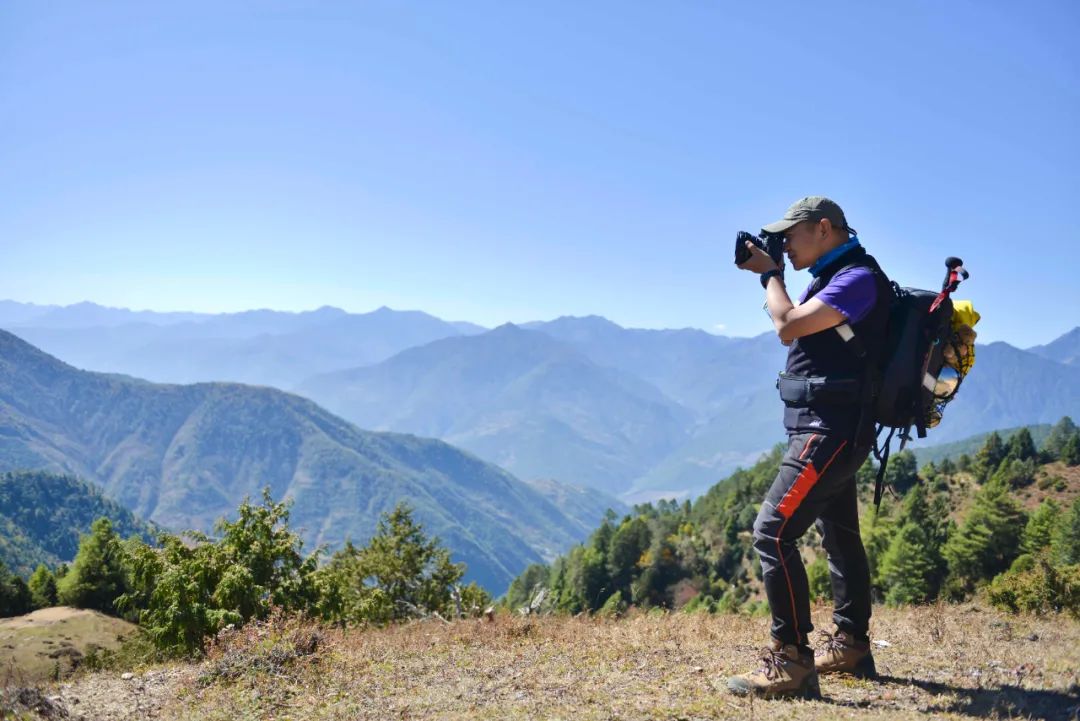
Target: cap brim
(780, 226)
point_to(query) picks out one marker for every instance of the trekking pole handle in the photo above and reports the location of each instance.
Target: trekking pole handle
(954, 273)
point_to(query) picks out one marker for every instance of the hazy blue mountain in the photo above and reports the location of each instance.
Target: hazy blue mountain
(518, 398)
(259, 347)
(13, 312)
(1065, 349)
(86, 314)
(1010, 387)
(696, 369)
(185, 455)
(586, 505)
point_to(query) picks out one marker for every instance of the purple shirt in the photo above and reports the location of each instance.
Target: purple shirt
(852, 292)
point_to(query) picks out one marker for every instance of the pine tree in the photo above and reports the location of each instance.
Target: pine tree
(1041, 526)
(1059, 434)
(15, 598)
(629, 543)
(1022, 446)
(900, 472)
(947, 467)
(908, 566)
(987, 541)
(1070, 450)
(43, 587)
(96, 578)
(989, 457)
(1065, 541)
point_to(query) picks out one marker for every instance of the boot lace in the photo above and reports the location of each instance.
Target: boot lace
(832, 642)
(771, 663)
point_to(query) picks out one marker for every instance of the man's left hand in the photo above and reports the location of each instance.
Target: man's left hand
(759, 261)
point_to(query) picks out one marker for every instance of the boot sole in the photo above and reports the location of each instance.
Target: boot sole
(865, 668)
(809, 690)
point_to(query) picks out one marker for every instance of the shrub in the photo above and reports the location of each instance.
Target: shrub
(1037, 587)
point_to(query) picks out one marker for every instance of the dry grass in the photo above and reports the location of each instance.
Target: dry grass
(958, 661)
(51, 642)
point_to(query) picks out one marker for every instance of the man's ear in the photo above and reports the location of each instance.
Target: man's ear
(825, 227)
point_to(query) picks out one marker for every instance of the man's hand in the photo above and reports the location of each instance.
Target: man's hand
(759, 261)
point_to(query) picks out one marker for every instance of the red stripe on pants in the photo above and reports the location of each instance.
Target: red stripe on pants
(791, 500)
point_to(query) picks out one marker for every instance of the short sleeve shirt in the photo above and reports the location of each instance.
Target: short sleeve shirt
(852, 292)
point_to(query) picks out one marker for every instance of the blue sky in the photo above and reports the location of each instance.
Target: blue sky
(506, 161)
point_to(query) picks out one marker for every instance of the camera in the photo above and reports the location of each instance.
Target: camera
(771, 243)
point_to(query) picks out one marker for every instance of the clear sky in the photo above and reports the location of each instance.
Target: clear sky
(512, 161)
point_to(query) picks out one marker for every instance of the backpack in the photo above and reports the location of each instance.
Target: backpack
(928, 351)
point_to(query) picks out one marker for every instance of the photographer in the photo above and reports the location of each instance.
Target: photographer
(834, 334)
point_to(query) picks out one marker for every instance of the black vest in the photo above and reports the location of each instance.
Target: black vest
(826, 354)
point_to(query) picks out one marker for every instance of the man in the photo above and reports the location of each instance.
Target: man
(835, 334)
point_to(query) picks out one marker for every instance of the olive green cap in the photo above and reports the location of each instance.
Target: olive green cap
(813, 207)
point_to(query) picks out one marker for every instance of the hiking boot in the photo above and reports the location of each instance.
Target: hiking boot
(841, 652)
(784, 672)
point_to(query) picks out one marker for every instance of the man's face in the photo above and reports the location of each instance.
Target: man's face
(805, 243)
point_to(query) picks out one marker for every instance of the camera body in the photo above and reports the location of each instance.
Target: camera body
(771, 243)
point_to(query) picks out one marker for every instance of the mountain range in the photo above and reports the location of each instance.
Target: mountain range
(183, 456)
(637, 413)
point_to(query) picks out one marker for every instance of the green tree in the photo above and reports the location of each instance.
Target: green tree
(908, 566)
(963, 463)
(629, 543)
(1040, 527)
(96, 578)
(1070, 450)
(43, 587)
(1065, 539)
(15, 598)
(401, 573)
(1016, 473)
(190, 588)
(987, 541)
(901, 472)
(1059, 434)
(912, 568)
(1022, 446)
(989, 457)
(525, 587)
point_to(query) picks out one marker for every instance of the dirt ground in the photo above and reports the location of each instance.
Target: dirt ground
(938, 661)
(48, 643)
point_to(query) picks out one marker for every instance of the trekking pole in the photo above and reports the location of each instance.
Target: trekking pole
(954, 273)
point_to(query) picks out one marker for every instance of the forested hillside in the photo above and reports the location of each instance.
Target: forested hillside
(43, 515)
(1006, 520)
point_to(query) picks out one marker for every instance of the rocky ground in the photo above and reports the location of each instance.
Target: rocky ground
(938, 661)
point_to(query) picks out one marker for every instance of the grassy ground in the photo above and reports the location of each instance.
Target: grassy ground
(48, 643)
(945, 661)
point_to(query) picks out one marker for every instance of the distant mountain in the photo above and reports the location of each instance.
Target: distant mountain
(259, 347)
(1010, 387)
(183, 456)
(519, 398)
(86, 314)
(585, 505)
(42, 516)
(484, 393)
(1065, 349)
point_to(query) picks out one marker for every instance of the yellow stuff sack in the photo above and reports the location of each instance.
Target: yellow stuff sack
(962, 355)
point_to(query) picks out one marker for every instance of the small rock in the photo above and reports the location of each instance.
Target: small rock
(127, 676)
(881, 643)
(697, 669)
(1033, 637)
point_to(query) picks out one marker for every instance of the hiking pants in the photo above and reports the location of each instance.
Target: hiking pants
(816, 482)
